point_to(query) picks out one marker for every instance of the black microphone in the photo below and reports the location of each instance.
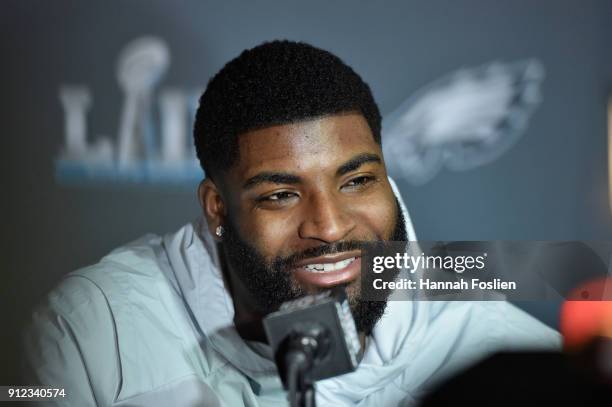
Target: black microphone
(313, 338)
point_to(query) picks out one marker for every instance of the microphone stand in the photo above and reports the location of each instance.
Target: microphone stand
(302, 351)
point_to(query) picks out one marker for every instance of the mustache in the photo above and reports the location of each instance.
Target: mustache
(289, 262)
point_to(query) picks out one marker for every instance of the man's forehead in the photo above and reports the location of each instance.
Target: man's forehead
(326, 140)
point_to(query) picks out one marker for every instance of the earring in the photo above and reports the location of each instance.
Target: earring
(219, 231)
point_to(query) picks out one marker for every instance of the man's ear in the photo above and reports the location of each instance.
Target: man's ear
(212, 204)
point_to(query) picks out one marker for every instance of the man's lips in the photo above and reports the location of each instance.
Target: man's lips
(328, 271)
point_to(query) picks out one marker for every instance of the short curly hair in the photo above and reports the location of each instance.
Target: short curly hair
(275, 83)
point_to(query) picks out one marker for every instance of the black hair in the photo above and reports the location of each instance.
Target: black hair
(274, 83)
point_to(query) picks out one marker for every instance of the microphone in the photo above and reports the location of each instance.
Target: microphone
(313, 338)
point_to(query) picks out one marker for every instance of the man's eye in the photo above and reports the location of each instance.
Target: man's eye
(358, 182)
(277, 197)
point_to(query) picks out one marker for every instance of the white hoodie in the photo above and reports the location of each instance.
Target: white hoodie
(152, 325)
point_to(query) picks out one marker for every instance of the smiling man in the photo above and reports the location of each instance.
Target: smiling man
(290, 140)
(296, 209)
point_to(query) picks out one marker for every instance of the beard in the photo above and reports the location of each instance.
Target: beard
(270, 283)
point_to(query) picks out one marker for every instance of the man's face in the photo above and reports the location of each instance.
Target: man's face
(301, 201)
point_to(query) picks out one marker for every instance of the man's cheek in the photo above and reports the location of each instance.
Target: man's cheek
(379, 220)
(261, 236)
(271, 231)
(387, 216)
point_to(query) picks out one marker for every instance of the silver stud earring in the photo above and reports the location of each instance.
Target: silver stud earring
(219, 231)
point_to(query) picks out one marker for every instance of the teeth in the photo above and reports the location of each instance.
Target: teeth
(326, 267)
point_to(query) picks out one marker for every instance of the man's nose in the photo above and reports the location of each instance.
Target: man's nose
(325, 219)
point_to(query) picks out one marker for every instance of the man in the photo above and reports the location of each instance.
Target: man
(290, 140)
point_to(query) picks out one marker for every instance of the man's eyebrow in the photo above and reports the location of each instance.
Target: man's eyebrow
(356, 162)
(272, 177)
(286, 178)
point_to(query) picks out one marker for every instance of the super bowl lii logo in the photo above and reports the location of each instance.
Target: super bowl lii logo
(153, 144)
(461, 121)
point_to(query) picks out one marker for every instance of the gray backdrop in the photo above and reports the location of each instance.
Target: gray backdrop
(552, 184)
